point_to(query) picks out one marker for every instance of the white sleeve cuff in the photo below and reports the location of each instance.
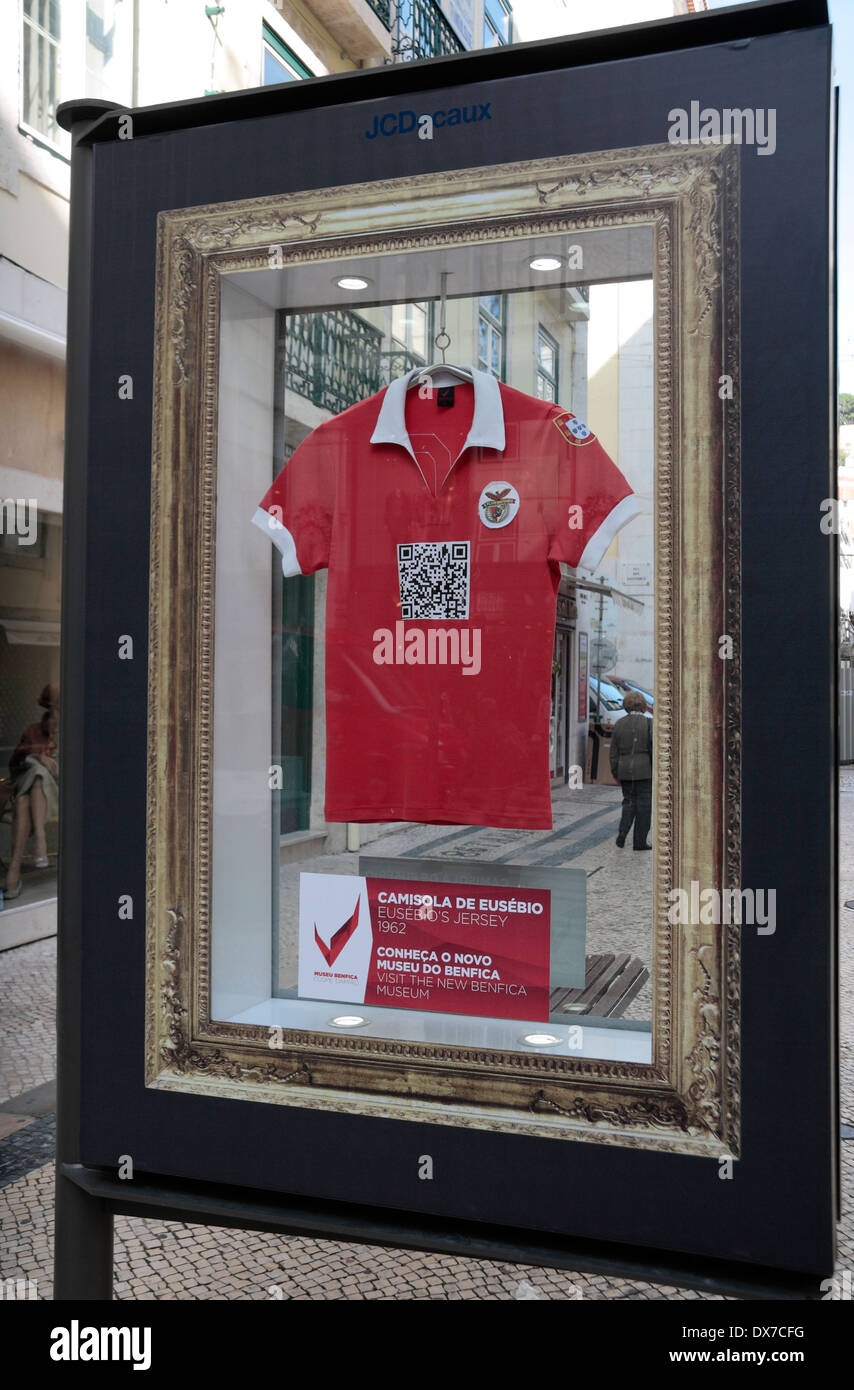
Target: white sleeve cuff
(600, 540)
(282, 540)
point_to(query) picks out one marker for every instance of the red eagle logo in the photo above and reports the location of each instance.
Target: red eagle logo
(496, 507)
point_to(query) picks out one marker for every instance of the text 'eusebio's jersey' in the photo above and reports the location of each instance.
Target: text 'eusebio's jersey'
(442, 517)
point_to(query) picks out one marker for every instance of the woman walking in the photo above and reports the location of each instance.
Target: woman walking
(631, 764)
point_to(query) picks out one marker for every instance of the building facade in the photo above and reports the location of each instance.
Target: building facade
(140, 52)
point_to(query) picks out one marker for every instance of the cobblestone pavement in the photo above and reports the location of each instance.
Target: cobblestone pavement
(173, 1260)
(27, 1017)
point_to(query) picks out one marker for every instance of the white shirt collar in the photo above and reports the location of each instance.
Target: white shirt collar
(487, 425)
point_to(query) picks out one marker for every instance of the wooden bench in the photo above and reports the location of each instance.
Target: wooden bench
(610, 984)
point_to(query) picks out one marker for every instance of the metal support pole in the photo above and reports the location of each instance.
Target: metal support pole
(83, 1249)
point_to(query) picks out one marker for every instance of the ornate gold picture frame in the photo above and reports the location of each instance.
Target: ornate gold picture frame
(687, 1099)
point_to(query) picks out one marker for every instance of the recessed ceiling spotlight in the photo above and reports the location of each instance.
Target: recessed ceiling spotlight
(352, 282)
(348, 1020)
(540, 1039)
(545, 263)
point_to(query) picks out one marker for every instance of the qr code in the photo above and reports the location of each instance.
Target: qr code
(434, 579)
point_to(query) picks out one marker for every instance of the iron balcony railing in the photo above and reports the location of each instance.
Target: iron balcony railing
(382, 10)
(397, 362)
(336, 358)
(422, 31)
(331, 358)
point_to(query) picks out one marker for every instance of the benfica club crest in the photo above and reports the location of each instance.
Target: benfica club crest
(499, 503)
(573, 431)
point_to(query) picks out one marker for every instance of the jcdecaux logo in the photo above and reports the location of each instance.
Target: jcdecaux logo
(405, 122)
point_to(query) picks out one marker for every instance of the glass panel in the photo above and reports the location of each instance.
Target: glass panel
(418, 341)
(398, 322)
(409, 327)
(275, 70)
(497, 19)
(546, 356)
(390, 693)
(40, 61)
(30, 566)
(297, 685)
(109, 50)
(483, 343)
(279, 63)
(45, 13)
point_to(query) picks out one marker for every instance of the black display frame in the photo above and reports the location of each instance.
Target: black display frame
(771, 1229)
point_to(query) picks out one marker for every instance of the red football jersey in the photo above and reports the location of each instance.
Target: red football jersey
(442, 517)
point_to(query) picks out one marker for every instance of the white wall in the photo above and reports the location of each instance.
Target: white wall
(621, 367)
(544, 19)
(241, 964)
(183, 54)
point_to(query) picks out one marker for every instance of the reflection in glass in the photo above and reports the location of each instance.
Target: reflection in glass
(30, 567)
(587, 347)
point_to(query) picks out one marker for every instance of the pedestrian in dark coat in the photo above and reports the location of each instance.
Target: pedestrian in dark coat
(631, 764)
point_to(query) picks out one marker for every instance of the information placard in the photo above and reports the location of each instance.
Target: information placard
(458, 948)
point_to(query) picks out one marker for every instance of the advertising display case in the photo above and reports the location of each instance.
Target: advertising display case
(433, 465)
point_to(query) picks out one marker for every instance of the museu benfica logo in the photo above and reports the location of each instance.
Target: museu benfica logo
(339, 939)
(499, 503)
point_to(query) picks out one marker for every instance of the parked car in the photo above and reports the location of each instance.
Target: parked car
(623, 685)
(606, 705)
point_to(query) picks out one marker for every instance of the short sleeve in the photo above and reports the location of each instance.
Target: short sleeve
(594, 500)
(296, 511)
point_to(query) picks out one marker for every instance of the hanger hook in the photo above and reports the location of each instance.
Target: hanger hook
(443, 333)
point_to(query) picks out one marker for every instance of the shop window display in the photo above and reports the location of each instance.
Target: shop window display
(424, 827)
